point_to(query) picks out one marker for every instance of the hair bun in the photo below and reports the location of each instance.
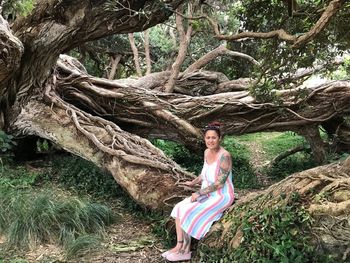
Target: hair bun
(215, 124)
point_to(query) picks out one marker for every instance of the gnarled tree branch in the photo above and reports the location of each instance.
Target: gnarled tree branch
(297, 41)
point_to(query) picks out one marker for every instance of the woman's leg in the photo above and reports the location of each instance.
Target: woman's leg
(179, 236)
(186, 246)
(184, 253)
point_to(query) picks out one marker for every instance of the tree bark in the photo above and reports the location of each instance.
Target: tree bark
(219, 51)
(312, 135)
(184, 39)
(11, 54)
(114, 62)
(287, 153)
(147, 53)
(56, 26)
(184, 116)
(297, 41)
(136, 54)
(147, 175)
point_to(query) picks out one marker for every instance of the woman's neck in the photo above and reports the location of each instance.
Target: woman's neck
(215, 150)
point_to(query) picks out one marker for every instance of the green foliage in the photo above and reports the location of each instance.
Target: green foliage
(15, 260)
(343, 71)
(17, 176)
(243, 174)
(29, 216)
(42, 146)
(180, 155)
(280, 142)
(274, 143)
(85, 178)
(6, 141)
(279, 233)
(295, 163)
(160, 227)
(264, 91)
(18, 7)
(277, 57)
(82, 176)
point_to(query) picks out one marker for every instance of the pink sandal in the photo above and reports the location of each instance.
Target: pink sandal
(164, 255)
(178, 256)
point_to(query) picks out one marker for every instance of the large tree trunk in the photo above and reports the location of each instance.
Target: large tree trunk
(321, 194)
(58, 100)
(139, 167)
(30, 105)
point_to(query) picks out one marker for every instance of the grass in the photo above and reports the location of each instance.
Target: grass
(274, 143)
(281, 143)
(30, 216)
(82, 245)
(29, 219)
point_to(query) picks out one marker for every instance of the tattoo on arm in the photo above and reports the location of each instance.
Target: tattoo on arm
(208, 189)
(224, 171)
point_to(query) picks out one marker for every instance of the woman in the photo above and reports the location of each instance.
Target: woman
(195, 215)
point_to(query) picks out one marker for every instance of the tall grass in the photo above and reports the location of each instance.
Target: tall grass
(28, 219)
(81, 245)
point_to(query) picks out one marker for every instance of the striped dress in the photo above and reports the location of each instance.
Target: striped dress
(196, 218)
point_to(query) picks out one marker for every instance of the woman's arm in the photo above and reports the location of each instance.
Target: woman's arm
(195, 181)
(224, 170)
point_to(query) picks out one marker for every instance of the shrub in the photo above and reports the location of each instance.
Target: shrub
(6, 141)
(243, 174)
(181, 155)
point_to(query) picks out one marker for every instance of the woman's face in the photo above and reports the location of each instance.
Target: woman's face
(212, 139)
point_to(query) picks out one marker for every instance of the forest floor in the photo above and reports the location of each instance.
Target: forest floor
(129, 240)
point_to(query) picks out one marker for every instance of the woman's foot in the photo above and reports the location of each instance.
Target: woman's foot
(176, 249)
(178, 256)
(166, 253)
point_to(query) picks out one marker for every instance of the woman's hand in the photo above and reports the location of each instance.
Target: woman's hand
(188, 183)
(194, 197)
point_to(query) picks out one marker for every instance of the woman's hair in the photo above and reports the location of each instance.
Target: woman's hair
(213, 126)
